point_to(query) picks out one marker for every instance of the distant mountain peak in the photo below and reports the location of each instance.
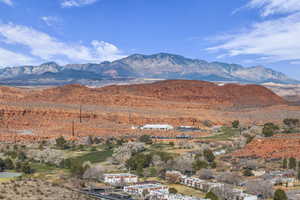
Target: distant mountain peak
(51, 63)
(155, 66)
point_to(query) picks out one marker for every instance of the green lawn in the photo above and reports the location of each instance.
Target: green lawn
(41, 167)
(95, 157)
(226, 134)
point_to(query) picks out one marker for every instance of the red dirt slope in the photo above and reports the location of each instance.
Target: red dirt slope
(172, 90)
(201, 92)
(281, 146)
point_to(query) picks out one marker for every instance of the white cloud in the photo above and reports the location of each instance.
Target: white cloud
(273, 40)
(45, 47)
(76, 3)
(51, 20)
(7, 2)
(270, 7)
(106, 50)
(9, 58)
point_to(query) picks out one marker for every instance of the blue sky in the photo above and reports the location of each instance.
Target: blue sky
(247, 32)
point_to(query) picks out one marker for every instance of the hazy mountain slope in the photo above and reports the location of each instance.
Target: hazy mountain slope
(162, 65)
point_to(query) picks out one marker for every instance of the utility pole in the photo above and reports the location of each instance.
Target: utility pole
(80, 113)
(129, 116)
(73, 128)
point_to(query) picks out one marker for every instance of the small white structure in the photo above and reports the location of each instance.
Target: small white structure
(219, 152)
(120, 178)
(149, 188)
(240, 195)
(164, 127)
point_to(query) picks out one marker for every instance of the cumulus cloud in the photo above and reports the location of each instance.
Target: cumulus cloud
(7, 2)
(270, 7)
(76, 3)
(106, 50)
(272, 40)
(45, 47)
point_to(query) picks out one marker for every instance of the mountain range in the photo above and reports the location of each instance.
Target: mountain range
(138, 66)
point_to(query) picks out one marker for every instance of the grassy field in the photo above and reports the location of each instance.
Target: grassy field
(226, 134)
(95, 157)
(41, 167)
(187, 190)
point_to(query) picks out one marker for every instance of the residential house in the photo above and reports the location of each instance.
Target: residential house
(120, 178)
(146, 188)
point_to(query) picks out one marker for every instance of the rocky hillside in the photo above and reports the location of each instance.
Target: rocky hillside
(173, 91)
(159, 66)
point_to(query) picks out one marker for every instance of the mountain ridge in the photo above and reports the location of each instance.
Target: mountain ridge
(158, 66)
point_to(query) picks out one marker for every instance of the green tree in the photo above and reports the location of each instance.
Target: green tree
(146, 139)
(61, 143)
(22, 156)
(208, 155)
(26, 168)
(235, 124)
(139, 161)
(248, 172)
(199, 164)
(2, 165)
(292, 163)
(284, 163)
(173, 190)
(291, 123)
(269, 129)
(298, 174)
(280, 195)
(210, 195)
(77, 168)
(9, 163)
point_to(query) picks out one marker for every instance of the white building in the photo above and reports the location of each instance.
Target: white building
(240, 195)
(164, 127)
(120, 178)
(149, 188)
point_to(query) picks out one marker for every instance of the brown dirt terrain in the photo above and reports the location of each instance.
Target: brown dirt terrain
(112, 110)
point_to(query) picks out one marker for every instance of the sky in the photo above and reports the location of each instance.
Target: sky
(246, 32)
